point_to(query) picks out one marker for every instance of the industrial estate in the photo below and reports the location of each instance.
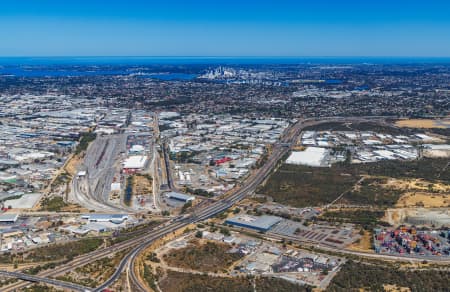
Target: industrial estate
(301, 177)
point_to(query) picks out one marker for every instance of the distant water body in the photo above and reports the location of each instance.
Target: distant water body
(37, 71)
(170, 76)
(104, 66)
(92, 61)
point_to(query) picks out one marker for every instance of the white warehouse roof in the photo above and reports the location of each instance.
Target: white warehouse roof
(137, 161)
(137, 148)
(312, 156)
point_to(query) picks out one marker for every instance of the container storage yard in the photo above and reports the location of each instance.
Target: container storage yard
(412, 242)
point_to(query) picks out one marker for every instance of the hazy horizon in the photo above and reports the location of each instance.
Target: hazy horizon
(216, 60)
(204, 28)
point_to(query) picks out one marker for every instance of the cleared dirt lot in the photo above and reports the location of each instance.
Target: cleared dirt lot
(426, 200)
(364, 243)
(142, 185)
(423, 123)
(420, 193)
(416, 185)
(73, 163)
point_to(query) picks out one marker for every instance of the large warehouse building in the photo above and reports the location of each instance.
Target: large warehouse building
(311, 156)
(260, 223)
(114, 218)
(8, 218)
(180, 197)
(134, 163)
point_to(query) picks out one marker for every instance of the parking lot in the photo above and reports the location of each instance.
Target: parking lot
(332, 236)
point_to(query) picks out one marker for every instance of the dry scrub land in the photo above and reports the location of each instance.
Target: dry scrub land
(355, 276)
(202, 256)
(95, 273)
(184, 282)
(421, 193)
(302, 186)
(142, 184)
(423, 123)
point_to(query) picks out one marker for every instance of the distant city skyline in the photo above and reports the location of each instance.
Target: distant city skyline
(233, 28)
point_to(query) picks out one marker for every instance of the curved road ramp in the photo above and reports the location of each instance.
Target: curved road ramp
(31, 278)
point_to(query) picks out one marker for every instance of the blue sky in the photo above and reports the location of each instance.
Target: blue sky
(224, 28)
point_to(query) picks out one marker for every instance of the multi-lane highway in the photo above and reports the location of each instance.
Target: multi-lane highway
(31, 278)
(148, 234)
(207, 211)
(216, 207)
(140, 243)
(248, 187)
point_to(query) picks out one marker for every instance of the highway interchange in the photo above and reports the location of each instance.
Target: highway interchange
(202, 212)
(140, 243)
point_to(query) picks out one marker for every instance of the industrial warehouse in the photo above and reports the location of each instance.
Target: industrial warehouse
(261, 223)
(180, 197)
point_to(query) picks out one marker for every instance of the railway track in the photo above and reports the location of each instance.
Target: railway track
(90, 257)
(138, 244)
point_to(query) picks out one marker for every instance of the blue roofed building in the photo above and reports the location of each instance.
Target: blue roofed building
(260, 223)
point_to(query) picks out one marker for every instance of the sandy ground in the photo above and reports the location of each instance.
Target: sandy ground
(157, 245)
(364, 244)
(142, 186)
(394, 288)
(417, 193)
(420, 193)
(417, 185)
(395, 216)
(436, 153)
(423, 123)
(72, 164)
(427, 200)
(74, 208)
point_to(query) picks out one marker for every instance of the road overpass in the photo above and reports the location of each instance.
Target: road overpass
(140, 243)
(31, 278)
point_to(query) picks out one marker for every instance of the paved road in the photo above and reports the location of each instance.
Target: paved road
(101, 161)
(393, 257)
(156, 165)
(31, 278)
(208, 211)
(214, 208)
(149, 234)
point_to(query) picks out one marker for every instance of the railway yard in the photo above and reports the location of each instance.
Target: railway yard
(120, 155)
(224, 182)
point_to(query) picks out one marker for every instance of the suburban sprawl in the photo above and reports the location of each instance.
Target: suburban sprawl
(225, 177)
